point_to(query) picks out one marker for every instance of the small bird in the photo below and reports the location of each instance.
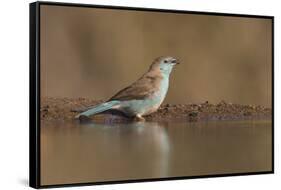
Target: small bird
(144, 96)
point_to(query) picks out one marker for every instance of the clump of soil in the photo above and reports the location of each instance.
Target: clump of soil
(65, 109)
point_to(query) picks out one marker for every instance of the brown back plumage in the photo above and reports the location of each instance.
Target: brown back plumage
(143, 88)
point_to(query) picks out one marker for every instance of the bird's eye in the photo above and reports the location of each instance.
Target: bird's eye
(165, 61)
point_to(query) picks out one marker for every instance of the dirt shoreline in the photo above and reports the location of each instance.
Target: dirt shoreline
(65, 109)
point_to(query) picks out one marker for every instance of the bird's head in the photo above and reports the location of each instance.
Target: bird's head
(164, 64)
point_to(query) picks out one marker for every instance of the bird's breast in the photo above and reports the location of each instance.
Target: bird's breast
(163, 88)
(158, 97)
(150, 103)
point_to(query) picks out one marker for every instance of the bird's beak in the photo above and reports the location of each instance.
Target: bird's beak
(176, 61)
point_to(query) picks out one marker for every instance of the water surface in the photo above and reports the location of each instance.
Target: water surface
(79, 153)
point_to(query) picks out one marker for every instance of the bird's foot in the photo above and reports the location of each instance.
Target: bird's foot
(139, 118)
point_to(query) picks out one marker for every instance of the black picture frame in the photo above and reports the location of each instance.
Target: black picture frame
(34, 98)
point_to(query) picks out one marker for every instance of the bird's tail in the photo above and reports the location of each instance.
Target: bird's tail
(99, 108)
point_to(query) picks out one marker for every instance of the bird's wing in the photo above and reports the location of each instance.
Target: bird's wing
(141, 89)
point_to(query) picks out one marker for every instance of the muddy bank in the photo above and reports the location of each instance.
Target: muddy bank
(65, 109)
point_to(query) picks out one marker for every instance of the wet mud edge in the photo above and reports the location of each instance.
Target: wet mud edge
(65, 109)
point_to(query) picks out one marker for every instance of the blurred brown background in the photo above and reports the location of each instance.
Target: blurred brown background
(93, 53)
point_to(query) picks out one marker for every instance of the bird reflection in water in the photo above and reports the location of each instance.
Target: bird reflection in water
(141, 145)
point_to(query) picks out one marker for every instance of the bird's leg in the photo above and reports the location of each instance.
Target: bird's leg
(138, 117)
